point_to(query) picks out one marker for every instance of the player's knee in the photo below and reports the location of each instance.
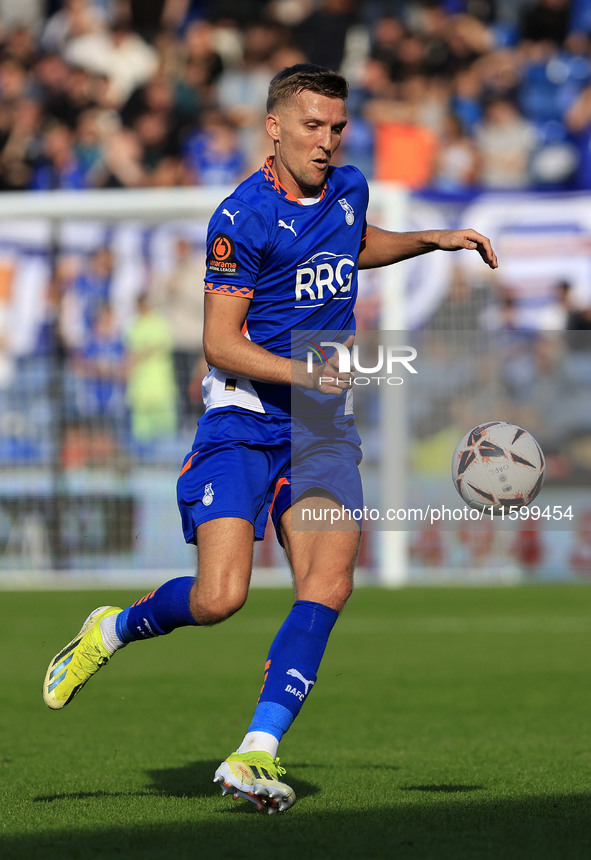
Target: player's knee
(214, 613)
(343, 591)
(336, 593)
(213, 605)
(333, 591)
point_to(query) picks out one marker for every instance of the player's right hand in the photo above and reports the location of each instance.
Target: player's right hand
(328, 379)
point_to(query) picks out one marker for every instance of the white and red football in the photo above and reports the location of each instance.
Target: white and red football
(498, 465)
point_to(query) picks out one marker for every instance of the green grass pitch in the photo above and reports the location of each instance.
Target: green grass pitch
(446, 724)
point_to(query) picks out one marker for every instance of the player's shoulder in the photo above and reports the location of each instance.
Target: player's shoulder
(348, 176)
(246, 203)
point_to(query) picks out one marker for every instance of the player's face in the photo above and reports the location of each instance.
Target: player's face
(306, 131)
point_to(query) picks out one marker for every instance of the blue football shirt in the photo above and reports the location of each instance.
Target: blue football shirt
(296, 263)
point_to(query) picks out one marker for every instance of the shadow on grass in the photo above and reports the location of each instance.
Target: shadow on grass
(445, 788)
(191, 780)
(85, 795)
(447, 827)
(409, 822)
(196, 780)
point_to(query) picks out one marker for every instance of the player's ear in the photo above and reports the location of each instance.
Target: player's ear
(273, 126)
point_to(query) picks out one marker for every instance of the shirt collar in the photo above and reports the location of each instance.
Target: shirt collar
(267, 171)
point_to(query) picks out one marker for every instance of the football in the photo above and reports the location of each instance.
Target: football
(498, 465)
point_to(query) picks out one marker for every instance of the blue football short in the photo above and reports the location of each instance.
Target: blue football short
(249, 465)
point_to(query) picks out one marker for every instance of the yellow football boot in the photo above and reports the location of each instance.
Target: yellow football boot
(69, 670)
(255, 777)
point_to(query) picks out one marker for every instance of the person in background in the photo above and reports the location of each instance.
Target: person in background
(151, 389)
(175, 296)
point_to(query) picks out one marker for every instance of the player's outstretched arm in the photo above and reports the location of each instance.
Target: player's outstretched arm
(382, 247)
(227, 349)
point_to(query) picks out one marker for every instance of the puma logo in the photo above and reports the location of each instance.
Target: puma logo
(281, 223)
(295, 674)
(230, 216)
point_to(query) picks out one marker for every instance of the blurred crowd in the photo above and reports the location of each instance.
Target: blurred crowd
(111, 368)
(450, 95)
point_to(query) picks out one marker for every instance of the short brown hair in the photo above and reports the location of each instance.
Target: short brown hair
(305, 76)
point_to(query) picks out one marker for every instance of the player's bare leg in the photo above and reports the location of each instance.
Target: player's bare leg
(220, 589)
(322, 564)
(225, 548)
(322, 556)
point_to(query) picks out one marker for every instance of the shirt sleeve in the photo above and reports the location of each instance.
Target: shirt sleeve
(236, 244)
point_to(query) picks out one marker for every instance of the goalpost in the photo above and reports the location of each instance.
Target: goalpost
(116, 523)
(392, 202)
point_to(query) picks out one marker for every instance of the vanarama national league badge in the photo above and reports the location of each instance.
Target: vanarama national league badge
(222, 256)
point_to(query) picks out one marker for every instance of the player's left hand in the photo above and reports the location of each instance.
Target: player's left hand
(454, 240)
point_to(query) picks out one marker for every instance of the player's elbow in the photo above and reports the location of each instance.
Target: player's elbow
(209, 348)
(214, 348)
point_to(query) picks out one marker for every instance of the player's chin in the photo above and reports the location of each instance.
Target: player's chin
(315, 181)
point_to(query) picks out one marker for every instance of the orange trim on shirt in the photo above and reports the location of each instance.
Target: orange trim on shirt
(363, 242)
(280, 483)
(229, 290)
(269, 174)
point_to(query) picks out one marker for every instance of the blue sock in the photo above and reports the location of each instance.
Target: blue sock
(157, 613)
(290, 671)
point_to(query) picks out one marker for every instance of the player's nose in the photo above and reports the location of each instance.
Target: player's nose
(325, 142)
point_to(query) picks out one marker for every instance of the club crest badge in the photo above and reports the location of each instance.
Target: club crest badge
(207, 495)
(349, 213)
